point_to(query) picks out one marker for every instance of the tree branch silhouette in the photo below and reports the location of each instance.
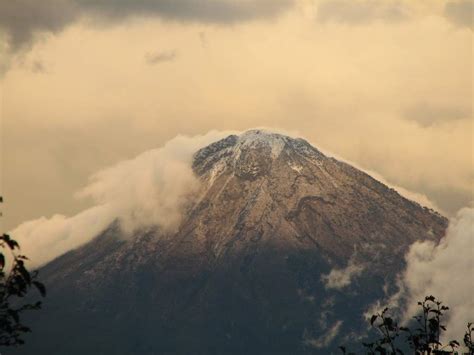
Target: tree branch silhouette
(16, 282)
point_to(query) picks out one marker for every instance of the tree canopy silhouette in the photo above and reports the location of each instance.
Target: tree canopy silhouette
(16, 281)
(422, 337)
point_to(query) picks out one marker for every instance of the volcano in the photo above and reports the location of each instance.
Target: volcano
(282, 253)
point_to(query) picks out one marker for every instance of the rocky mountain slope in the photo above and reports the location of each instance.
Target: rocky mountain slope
(283, 251)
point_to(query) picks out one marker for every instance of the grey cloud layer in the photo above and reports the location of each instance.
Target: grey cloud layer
(360, 12)
(22, 20)
(460, 12)
(215, 11)
(427, 115)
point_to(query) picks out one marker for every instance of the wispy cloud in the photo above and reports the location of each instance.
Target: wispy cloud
(153, 58)
(427, 115)
(325, 339)
(38, 67)
(340, 278)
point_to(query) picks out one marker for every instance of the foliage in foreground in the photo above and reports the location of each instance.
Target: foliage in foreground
(423, 338)
(15, 283)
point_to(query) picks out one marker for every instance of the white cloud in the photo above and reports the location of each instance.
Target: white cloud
(44, 239)
(325, 339)
(340, 278)
(150, 189)
(445, 271)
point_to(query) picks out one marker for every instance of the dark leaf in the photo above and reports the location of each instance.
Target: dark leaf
(12, 244)
(23, 272)
(41, 288)
(14, 315)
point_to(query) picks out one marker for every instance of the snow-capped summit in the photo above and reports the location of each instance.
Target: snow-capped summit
(252, 154)
(261, 138)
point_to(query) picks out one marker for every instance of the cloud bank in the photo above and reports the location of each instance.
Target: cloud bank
(24, 20)
(445, 271)
(149, 190)
(44, 239)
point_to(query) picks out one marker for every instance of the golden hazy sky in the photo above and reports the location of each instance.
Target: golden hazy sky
(85, 84)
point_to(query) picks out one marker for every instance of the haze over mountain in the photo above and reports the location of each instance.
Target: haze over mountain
(281, 250)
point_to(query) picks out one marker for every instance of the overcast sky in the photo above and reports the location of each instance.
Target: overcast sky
(85, 84)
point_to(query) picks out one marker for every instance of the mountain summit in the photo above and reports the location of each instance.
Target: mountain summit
(276, 187)
(282, 252)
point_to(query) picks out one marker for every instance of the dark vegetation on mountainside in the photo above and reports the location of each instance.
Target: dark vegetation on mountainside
(421, 337)
(15, 283)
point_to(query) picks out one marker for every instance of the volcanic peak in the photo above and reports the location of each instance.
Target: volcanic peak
(250, 154)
